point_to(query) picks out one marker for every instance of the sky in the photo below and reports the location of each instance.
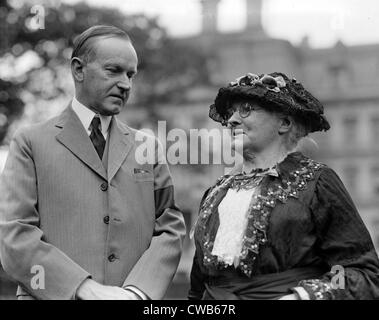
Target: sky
(323, 21)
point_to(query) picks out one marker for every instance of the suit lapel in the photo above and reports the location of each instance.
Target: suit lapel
(120, 144)
(75, 138)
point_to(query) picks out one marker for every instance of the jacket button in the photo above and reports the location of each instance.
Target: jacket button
(104, 186)
(106, 219)
(112, 257)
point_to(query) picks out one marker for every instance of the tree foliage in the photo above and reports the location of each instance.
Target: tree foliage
(37, 60)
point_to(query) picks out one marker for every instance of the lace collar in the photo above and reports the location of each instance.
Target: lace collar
(294, 173)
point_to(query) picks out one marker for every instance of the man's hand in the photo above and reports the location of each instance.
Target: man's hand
(92, 290)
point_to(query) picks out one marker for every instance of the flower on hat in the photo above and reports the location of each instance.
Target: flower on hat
(251, 79)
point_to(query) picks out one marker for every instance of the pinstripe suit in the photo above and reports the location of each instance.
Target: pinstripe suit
(55, 197)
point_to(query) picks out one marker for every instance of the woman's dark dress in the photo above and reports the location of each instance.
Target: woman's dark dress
(304, 231)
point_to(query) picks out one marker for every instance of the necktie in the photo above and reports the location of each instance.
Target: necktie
(97, 137)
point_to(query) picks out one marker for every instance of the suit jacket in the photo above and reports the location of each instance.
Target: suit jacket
(63, 210)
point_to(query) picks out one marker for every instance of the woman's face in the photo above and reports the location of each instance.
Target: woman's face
(254, 132)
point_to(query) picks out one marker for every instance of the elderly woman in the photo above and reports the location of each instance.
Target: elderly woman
(283, 226)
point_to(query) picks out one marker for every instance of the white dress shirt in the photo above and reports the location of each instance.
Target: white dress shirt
(233, 216)
(85, 116)
(233, 211)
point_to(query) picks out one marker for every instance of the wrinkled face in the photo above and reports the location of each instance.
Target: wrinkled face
(107, 75)
(253, 132)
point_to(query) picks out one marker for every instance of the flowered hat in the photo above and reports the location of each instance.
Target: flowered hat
(274, 91)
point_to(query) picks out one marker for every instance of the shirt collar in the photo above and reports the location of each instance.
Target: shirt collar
(86, 115)
(261, 172)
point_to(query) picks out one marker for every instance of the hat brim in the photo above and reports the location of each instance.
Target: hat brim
(222, 109)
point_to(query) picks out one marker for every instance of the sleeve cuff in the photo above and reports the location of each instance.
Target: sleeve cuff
(301, 292)
(75, 296)
(138, 292)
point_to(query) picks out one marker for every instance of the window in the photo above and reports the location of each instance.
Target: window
(376, 232)
(375, 180)
(375, 129)
(350, 178)
(350, 129)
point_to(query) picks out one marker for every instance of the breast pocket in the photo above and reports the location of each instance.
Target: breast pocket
(142, 175)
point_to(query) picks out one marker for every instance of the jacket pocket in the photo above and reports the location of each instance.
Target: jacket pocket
(141, 175)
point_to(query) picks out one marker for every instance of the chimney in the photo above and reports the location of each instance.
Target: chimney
(254, 15)
(209, 12)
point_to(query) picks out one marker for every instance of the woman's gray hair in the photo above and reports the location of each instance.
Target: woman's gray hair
(297, 132)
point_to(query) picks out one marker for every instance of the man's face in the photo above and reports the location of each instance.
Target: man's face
(108, 74)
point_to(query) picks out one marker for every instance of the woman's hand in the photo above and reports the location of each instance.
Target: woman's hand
(292, 296)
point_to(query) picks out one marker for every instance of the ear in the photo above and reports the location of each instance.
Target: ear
(285, 124)
(77, 69)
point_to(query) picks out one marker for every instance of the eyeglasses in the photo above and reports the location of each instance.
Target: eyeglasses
(244, 109)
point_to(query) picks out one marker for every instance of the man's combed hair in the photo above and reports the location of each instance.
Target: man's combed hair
(82, 44)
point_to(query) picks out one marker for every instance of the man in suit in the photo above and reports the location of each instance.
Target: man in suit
(76, 205)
